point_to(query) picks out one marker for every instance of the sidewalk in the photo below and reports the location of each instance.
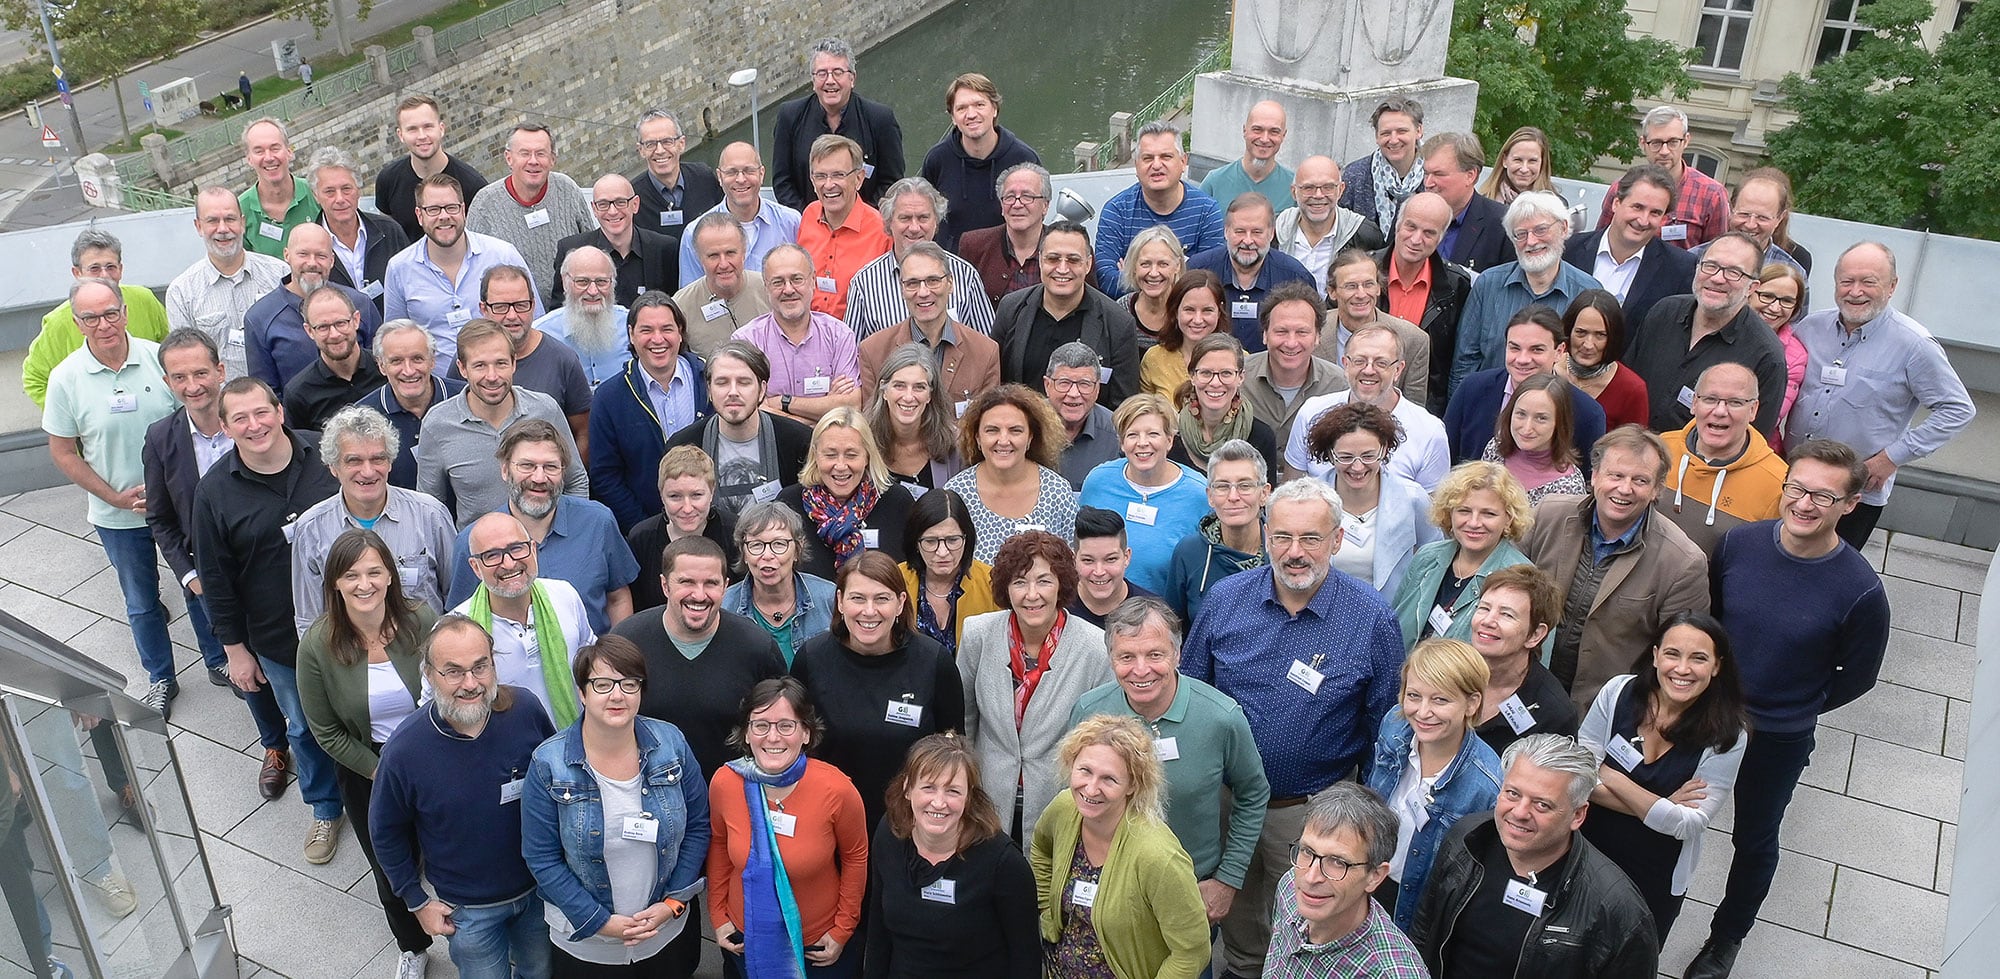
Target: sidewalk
(26, 201)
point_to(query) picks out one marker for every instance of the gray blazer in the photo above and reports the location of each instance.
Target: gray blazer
(1029, 755)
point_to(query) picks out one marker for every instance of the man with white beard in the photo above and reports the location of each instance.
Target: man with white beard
(589, 321)
(449, 787)
(1538, 221)
(215, 292)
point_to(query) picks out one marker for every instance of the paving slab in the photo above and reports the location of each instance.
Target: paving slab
(1888, 917)
(1894, 713)
(1832, 760)
(1968, 619)
(60, 620)
(1904, 778)
(49, 561)
(277, 831)
(1923, 607)
(59, 507)
(1774, 951)
(221, 781)
(1800, 894)
(292, 924)
(1947, 852)
(1853, 833)
(1929, 663)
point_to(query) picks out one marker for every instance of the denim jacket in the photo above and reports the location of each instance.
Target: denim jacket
(813, 593)
(562, 821)
(1469, 784)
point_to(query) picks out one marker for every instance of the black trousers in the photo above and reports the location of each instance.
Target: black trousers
(355, 792)
(1772, 764)
(1855, 527)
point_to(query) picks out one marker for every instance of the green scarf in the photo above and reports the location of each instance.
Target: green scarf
(1235, 425)
(548, 639)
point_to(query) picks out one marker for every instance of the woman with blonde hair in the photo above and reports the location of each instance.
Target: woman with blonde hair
(1521, 165)
(846, 495)
(1153, 262)
(1484, 513)
(1161, 500)
(1118, 894)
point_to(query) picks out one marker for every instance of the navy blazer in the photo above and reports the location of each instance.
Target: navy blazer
(168, 455)
(627, 443)
(385, 239)
(1482, 240)
(1475, 409)
(1664, 270)
(700, 192)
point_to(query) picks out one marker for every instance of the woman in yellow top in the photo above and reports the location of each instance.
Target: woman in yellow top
(947, 584)
(1196, 303)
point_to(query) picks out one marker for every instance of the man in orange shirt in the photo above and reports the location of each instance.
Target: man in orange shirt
(1423, 288)
(837, 229)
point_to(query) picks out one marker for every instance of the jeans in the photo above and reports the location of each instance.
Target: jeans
(490, 938)
(138, 564)
(263, 707)
(1772, 764)
(315, 767)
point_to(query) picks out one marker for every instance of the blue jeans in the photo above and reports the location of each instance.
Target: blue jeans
(315, 767)
(263, 707)
(489, 938)
(137, 561)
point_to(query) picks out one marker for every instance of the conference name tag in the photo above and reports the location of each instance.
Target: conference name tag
(871, 538)
(766, 492)
(1685, 397)
(510, 791)
(714, 309)
(123, 401)
(1104, 375)
(868, 171)
(457, 317)
(537, 217)
(1439, 619)
(1627, 756)
(824, 283)
(272, 231)
(782, 823)
(670, 217)
(1305, 677)
(1141, 513)
(1833, 375)
(905, 713)
(945, 891)
(1242, 309)
(1674, 232)
(1356, 535)
(1169, 749)
(373, 289)
(817, 386)
(1517, 714)
(643, 829)
(1083, 894)
(1523, 896)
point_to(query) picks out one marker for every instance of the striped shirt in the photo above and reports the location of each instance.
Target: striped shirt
(1376, 950)
(1197, 222)
(875, 297)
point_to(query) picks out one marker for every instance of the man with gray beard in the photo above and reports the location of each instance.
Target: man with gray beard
(589, 321)
(537, 623)
(1538, 223)
(449, 787)
(1247, 265)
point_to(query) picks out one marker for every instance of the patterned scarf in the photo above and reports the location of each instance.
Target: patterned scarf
(1390, 190)
(839, 524)
(770, 912)
(1027, 677)
(1235, 425)
(549, 642)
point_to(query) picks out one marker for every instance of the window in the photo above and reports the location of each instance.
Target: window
(1704, 161)
(1724, 30)
(1840, 32)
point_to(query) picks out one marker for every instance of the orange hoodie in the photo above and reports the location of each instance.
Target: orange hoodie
(1707, 501)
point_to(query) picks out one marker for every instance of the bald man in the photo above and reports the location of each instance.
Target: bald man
(275, 343)
(643, 259)
(1316, 227)
(1259, 169)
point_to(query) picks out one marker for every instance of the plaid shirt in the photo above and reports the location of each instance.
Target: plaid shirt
(1376, 950)
(1701, 204)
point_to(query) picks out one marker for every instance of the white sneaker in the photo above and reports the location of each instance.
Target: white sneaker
(412, 965)
(114, 892)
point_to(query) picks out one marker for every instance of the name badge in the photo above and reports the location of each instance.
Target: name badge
(958, 408)
(905, 713)
(1104, 375)
(818, 386)
(537, 217)
(943, 892)
(1627, 756)
(1357, 535)
(1083, 894)
(715, 309)
(1243, 309)
(1674, 232)
(670, 217)
(1439, 620)
(1169, 749)
(871, 538)
(824, 283)
(1686, 397)
(510, 791)
(457, 317)
(917, 490)
(1833, 375)
(765, 492)
(373, 289)
(1523, 896)
(1305, 677)
(644, 829)
(1516, 714)
(782, 823)
(275, 232)
(290, 529)
(124, 401)
(868, 171)
(1141, 513)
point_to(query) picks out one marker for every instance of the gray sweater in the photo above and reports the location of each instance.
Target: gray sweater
(495, 212)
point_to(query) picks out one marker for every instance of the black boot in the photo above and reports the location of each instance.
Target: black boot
(1715, 959)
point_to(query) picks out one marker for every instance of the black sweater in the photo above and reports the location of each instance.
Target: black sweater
(852, 693)
(702, 696)
(243, 546)
(988, 931)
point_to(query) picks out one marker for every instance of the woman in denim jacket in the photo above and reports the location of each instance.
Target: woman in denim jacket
(1429, 766)
(788, 603)
(601, 797)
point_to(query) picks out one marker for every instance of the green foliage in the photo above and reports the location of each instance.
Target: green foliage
(23, 82)
(1892, 133)
(221, 15)
(105, 40)
(1566, 66)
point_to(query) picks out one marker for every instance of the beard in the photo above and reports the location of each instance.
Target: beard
(1537, 264)
(590, 331)
(463, 713)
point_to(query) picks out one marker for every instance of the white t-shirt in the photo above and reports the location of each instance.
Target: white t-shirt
(1424, 457)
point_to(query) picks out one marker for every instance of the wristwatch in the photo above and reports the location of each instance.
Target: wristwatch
(785, 404)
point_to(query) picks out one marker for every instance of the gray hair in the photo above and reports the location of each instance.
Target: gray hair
(1870, 243)
(790, 248)
(1075, 353)
(1535, 203)
(1146, 236)
(1661, 115)
(1307, 489)
(586, 251)
(361, 424)
(833, 46)
(937, 423)
(94, 238)
(1158, 127)
(910, 186)
(1133, 613)
(1556, 753)
(331, 158)
(76, 286)
(386, 330)
(933, 251)
(272, 121)
(764, 515)
(1048, 186)
(1353, 806)
(1237, 450)
(657, 113)
(712, 221)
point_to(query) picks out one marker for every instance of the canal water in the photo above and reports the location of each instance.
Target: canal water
(1062, 68)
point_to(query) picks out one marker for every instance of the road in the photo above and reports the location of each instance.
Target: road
(30, 194)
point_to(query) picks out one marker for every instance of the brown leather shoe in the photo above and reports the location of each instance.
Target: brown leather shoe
(271, 778)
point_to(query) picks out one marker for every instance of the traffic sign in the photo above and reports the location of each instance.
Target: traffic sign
(62, 85)
(49, 137)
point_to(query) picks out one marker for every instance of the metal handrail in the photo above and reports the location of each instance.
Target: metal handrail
(1177, 96)
(139, 198)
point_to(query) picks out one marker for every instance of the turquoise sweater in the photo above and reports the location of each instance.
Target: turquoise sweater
(1178, 510)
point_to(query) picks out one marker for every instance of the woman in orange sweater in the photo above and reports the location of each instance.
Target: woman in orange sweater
(788, 860)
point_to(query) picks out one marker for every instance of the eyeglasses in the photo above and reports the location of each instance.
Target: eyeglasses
(734, 173)
(112, 315)
(1661, 144)
(1753, 217)
(1310, 542)
(612, 204)
(517, 551)
(1303, 191)
(601, 685)
(1330, 866)
(1794, 491)
(1023, 199)
(1246, 487)
(1344, 459)
(775, 548)
(439, 210)
(1072, 383)
(829, 176)
(786, 727)
(1765, 298)
(522, 306)
(927, 282)
(1542, 230)
(102, 270)
(939, 545)
(1364, 363)
(827, 74)
(481, 669)
(1735, 404)
(329, 327)
(1206, 376)
(590, 281)
(1729, 273)
(652, 145)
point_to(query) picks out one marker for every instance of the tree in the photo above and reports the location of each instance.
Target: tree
(1892, 133)
(322, 13)
(1565, 66)
(105, 38)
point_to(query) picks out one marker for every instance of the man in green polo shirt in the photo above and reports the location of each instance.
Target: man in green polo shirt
(95, 254)
(101, 399)
(276, 202)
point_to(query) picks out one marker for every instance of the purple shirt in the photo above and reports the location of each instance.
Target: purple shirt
(827, 352)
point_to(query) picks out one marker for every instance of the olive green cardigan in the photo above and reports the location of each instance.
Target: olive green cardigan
(335, 697)
(1148, 915)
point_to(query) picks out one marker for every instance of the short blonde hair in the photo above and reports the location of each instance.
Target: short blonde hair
(1139, 406)
(1133, 744)
(849, 418)
(1451, 665)
(686, 460)
(1469, 477)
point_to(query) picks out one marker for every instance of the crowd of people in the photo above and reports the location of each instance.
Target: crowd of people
(1336, 571)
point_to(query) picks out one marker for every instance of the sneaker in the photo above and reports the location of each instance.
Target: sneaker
(113, 893)
(160, 697)
(60, 969)
(218, 676)
(320, 843)
(412, 965)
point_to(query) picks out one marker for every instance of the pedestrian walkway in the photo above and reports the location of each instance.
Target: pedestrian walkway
(1860, 893)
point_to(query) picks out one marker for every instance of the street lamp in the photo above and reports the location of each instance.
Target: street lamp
(748, 77)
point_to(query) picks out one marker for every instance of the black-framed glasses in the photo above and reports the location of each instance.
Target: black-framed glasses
(519, 306)
(481, 669)
(950, 542)
(517, 551)
(612, 203)
(1729, 273)
(649, 145)
(435, 210)
(1767, 298)
(1793, 491)
(1330, 866)
(602, 685)
(112, 315)
(776, 548)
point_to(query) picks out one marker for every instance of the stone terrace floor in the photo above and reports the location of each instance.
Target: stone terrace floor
(1861, 891)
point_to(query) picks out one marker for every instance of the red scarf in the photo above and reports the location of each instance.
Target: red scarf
(1025, 678)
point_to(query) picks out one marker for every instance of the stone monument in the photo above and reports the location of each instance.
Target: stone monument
(1329, 63)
